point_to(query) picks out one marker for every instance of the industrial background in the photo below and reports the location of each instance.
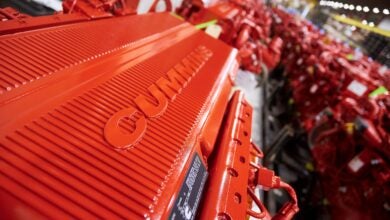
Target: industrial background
(191, 109)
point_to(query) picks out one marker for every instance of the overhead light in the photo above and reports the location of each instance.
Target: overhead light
(351, 7)
(364, 22)
(375, 10)
(366, 9)
(346, 6)
(386, 11)
(371, 24)
(358, 8)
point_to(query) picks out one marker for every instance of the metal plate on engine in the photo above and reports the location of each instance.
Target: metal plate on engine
(191, 190)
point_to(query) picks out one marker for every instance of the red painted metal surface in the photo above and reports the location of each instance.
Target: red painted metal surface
(226, 192)
(100, 8)
(235, 173)
(73, 11)
(61, 89)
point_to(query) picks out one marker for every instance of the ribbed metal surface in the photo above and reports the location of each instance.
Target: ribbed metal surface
(59, 163)
(32, 56)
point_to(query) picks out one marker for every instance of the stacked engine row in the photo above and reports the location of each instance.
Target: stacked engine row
(342, 108)
(245, 25)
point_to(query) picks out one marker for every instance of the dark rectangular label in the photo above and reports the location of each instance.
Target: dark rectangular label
(187, 202)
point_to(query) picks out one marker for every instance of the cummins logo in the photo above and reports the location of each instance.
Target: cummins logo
(163, 91)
